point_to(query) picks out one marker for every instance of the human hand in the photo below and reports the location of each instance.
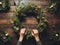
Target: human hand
(22, 33)
(35, 34)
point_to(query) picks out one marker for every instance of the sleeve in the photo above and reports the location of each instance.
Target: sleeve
(39, 43)
(19, 43)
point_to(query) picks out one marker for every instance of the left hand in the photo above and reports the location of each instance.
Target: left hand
(35, 34)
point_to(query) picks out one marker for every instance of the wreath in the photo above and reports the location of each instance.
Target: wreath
(4, 5)
(26, 11)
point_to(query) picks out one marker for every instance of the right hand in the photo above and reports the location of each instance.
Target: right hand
(22, 33)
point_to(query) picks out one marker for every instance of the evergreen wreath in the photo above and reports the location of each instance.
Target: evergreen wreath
(26, 11)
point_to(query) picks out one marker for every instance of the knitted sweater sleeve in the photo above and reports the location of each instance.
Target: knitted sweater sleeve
(38, 43)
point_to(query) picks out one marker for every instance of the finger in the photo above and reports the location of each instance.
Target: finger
(32, 33)
(23, 30)
(35, 31)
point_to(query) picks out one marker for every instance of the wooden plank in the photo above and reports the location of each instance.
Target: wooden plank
(2, 26)
(12, 8)
(8, 15)
(4, 21)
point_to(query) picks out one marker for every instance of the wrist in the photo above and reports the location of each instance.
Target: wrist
(37, 39)
(20, 39)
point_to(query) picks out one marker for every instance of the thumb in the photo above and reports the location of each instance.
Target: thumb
(32, 33)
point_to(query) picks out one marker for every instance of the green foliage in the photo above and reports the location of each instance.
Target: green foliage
(4, 37)
(54, 7)
(6, 6)
(26, 11)
(55, 36)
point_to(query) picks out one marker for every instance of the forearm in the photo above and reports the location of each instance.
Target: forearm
(38, 42)
(19, 43)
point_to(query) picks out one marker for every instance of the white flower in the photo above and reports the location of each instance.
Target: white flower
(6, 34)
(0, 2)
(52, 5)
(56, 34)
